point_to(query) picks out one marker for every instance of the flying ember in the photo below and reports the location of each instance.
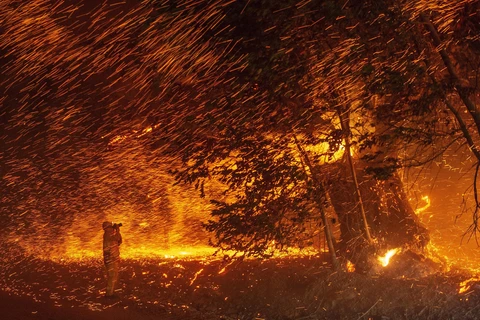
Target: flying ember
(222, 159)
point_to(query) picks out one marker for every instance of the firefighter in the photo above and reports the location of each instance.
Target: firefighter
(112, 239)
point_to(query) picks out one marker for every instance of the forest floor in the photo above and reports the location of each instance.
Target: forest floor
(199, 289)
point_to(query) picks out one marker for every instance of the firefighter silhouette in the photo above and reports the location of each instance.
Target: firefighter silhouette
(112, 239)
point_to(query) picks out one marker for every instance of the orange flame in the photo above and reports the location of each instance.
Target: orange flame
(385, 260)
(195, 276)
(467, 284)
(350, 266)
(426, 199)
(225, 267)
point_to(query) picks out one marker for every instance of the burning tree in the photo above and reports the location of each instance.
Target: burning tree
(354, 77)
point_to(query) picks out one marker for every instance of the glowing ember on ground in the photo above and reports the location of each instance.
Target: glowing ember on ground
(467, 284)
(350, 266)
(385, 260)
(195, 276)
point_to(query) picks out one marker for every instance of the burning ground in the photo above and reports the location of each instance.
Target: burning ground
(205, 287)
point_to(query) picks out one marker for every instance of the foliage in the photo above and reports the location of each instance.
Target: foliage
(272, 202)
(301, 64)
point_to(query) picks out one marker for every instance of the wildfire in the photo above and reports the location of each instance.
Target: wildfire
(195, 276)
(198, 252)
(426, 199)
(467, 284)
(385, 260)
(350, 266)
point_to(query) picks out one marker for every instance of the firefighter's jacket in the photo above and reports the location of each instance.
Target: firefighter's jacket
(112, 239)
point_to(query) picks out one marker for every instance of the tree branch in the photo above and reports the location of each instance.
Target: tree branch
(462, 92)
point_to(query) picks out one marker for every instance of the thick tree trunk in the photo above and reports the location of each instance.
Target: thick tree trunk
(392, 220)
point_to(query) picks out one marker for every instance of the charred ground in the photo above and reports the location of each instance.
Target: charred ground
(281, 288)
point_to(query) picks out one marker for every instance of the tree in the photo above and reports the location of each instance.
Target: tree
(466, 89)
(372, 60)
(281, 94)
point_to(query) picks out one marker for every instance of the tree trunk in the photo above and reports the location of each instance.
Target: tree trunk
(345, 123)
(392, 220)
(328, 234)
(319, 185)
